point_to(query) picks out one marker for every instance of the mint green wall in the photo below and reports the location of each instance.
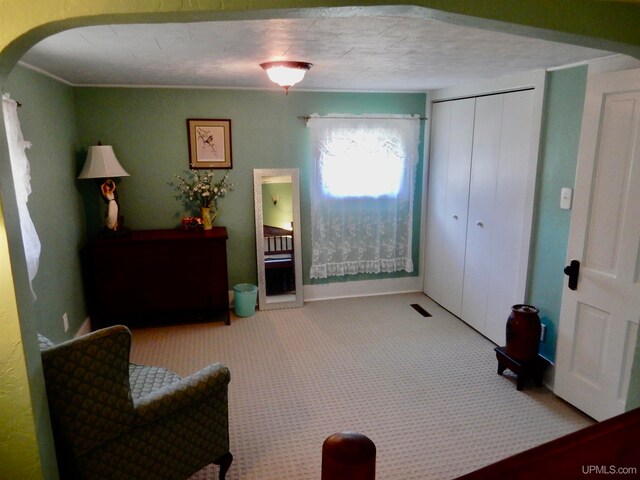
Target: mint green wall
(280, 214)
(147, 128)
(47, 118)
(560, 139)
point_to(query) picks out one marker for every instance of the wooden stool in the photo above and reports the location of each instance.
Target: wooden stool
(348, 456)
(524, 369)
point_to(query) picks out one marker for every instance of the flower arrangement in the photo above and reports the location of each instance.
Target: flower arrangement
(192, 223)
(199, 189)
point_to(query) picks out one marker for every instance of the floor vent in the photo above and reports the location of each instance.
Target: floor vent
(420, 310)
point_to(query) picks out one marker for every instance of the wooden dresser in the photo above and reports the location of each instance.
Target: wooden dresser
(155, 276)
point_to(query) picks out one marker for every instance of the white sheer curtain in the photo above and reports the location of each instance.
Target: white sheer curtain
(362, 193)
(22, 182)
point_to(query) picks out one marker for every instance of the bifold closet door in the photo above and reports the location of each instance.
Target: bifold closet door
(448, 198)
(493, 272)
(480, 226)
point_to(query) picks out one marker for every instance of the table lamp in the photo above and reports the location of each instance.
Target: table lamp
(101, 163)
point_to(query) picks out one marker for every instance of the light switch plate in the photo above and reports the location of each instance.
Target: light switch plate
(566, 196)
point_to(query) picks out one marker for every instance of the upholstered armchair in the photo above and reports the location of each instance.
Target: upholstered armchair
(116, 420)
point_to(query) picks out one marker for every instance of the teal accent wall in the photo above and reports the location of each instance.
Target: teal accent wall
(559, 145)
(147, 128)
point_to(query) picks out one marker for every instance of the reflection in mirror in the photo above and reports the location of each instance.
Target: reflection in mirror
(278, 250)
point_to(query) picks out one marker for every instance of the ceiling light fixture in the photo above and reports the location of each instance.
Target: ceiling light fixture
(286, 73)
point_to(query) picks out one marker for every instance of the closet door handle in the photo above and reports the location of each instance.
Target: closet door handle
(455, 217)
(480, 224)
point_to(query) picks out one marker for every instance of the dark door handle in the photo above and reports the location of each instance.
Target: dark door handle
(573, 270)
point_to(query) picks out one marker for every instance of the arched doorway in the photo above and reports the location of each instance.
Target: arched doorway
(50, 20)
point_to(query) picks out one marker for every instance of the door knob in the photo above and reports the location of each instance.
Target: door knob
(572, 271)
(455, 217)
(480, 224)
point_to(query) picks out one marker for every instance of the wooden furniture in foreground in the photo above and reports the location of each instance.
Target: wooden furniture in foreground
(524, 369)
(609, 449)
(348, 456)
(158, 275)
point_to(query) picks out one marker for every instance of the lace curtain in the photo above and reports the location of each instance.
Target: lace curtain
(362, 193)
(22, 182)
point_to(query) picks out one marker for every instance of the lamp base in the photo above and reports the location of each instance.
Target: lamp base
(119, 231)
(107, 232)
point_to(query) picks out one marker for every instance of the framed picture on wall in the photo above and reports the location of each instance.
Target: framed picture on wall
(209, 143)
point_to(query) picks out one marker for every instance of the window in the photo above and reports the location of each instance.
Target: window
(362, 194)
(361, 163)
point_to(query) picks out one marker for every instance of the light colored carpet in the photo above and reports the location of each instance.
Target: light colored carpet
(425, 390)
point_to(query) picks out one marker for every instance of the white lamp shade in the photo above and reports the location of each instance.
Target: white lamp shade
(102, 163)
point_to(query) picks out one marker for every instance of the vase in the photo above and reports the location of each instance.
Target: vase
(205, 212)
(523, 332)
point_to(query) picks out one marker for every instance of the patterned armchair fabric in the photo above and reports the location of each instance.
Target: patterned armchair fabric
(115, 420)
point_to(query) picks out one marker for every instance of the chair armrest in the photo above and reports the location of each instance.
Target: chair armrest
(209, 383)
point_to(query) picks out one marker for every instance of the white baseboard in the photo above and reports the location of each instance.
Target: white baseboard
(363, 288)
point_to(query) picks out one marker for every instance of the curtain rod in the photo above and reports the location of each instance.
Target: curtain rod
(307, 117)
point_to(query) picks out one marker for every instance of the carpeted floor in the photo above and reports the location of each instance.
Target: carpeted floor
(425, 390)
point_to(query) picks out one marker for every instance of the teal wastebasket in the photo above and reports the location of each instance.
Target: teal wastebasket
(244, 297)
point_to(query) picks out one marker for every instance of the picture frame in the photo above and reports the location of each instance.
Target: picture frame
(209, 143)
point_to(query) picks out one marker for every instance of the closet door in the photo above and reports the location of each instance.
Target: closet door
(512, 216)
(481, 229)
(436, 194)
(496, 257)
(450, 166)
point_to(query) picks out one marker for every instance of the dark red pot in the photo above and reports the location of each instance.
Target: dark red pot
(523, 332)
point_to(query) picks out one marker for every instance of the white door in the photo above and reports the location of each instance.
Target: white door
(512, 214)
(599, 320)
(449, 169)
(482, 191)
(436, 191)
(498, 222)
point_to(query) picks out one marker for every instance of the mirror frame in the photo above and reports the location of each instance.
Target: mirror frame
(259, 174)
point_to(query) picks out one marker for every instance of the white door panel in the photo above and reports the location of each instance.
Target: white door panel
(497, 202)
(480, 226)
(450, 164)
(599, 321)
(440, 129)
(457, 203)
(511, 225)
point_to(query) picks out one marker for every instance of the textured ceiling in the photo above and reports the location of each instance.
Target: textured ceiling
(368, 53)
